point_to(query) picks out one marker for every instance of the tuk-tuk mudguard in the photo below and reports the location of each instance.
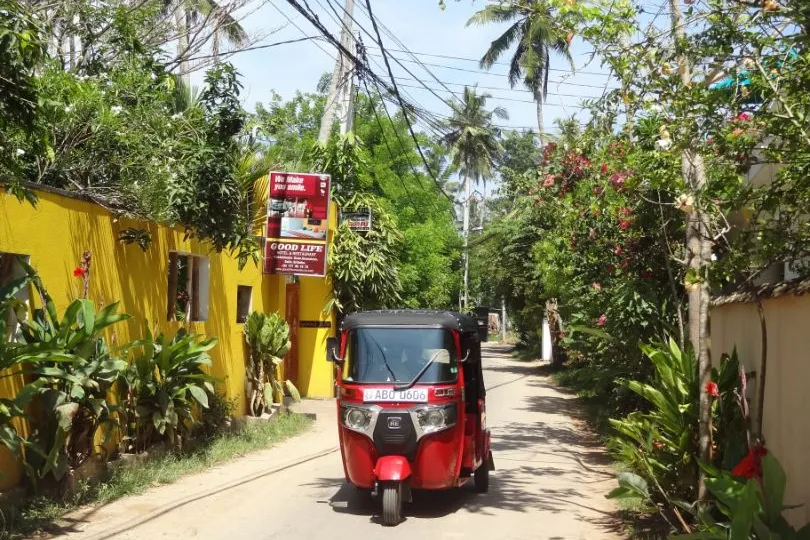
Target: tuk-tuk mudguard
(392, 469)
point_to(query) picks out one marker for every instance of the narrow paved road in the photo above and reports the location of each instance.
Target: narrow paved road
(550, 480)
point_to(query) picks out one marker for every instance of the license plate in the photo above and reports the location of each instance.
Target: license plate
(413, 395)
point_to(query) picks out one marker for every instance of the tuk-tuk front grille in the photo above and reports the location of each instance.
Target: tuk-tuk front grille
(395, 434)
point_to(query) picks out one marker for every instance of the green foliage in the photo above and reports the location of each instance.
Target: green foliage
(379, 160)
(747, 509)
(471, 138)
(661, 444)
(343, 158)
(72, 384)
(115, 124)
(362, 265)
(268, 338)
(217, 416)
(13, 355)
(534, 31)
(164, 383)
(208, 197)
(22, 50)
(290, 129)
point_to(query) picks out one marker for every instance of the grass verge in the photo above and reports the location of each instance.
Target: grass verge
(41, 513)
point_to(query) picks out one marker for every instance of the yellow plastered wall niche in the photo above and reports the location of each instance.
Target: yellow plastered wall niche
(56, 232)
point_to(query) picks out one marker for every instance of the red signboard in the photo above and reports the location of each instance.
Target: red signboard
(296, 258)
(297, 224)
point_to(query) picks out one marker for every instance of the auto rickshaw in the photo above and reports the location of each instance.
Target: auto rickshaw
(411, 404)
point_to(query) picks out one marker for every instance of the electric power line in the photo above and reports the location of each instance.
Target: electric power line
(451, 57)
(402, 104)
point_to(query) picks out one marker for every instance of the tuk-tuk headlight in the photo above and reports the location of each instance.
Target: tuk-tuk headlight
(433, 418)
(357, 418)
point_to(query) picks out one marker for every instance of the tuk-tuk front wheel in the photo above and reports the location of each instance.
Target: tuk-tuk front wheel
(391, 503)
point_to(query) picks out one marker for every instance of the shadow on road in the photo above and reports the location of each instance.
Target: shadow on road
(548, 463)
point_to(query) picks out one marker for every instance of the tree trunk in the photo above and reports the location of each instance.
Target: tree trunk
(466, 232)
(538, 98)
(181, 20)
(699, 252)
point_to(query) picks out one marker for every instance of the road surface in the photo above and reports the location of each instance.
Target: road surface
(550, 479)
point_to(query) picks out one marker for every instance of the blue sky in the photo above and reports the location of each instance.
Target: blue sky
(423, 28)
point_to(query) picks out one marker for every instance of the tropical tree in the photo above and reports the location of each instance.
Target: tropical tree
(215, 20)
(534, 33)
(474, 144)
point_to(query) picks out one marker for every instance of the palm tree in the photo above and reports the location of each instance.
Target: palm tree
(474, 144)
(222, 26)
(534, 33)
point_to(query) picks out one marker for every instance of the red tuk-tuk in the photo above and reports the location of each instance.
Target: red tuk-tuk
(411, 404)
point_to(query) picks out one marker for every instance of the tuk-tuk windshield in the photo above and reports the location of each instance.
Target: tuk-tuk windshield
(388, 355)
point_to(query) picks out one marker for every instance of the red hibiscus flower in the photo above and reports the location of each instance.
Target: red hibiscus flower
(604, 168)
(751, 465)
(712, 389)
(624, 224)
(618, 250)
(602, 320)
(79, 272)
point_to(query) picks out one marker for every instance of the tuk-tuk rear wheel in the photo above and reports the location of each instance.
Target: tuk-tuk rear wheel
(391, 503)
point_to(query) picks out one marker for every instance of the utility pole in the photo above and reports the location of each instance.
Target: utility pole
(341, 87)
(503, 319)
(466, 235)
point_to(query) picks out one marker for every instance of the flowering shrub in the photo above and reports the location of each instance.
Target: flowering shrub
(661, 445)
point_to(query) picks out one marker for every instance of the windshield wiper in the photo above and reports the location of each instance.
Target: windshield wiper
(384, 359)
(422, 371)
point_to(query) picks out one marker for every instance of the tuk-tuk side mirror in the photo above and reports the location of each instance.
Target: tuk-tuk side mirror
(333, 350)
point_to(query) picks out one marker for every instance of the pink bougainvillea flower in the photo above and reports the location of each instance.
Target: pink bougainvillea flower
(712, 389)
(618, 179)
(79, 272)
(597, 286)
(618, 250)
(549, 181)
(744, 117)
(624, 224)
(602, 320)
(751, 465)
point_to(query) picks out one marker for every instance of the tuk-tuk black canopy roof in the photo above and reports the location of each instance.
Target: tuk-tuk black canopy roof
(411, 317)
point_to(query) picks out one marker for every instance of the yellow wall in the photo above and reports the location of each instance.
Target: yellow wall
(59, 229)
(786, 427)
